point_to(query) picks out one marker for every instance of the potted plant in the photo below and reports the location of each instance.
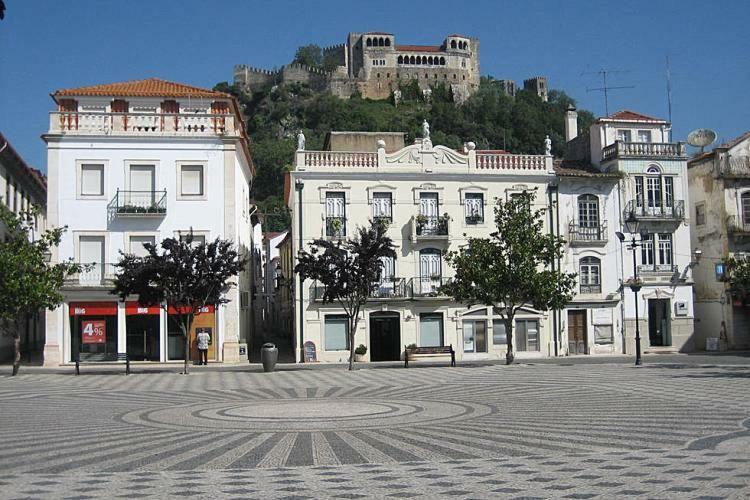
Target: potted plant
(635, 284)
(421, 221)
(337, 224)
(410, 349)
(359, 353)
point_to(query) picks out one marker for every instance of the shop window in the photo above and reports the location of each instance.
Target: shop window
(527, 335)
(93, 331)
(499, 333)
(336, 332)
(430, 329)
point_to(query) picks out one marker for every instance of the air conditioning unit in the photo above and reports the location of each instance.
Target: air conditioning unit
(680, 308)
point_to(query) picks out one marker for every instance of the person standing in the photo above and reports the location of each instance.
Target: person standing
(203, 339)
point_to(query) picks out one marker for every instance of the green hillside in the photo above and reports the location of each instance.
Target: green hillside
(490, 118)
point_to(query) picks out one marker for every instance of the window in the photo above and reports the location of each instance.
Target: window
(474, 207)
(191, 180)
(623, 135)
(430, 272)
(430, 329)
(588, 217)
(644, 136)
(590, 275)
(745, 198)
(91, 251)
(92, 180)
(499, 334)
(136, 244)
(335, 214)
(7, 193)
(665, 250)
(659, 190)
(336, 332)
(381, 206)
(647, 250)
(527, 335)
(700, 213)
(656, 252)
(198, 239)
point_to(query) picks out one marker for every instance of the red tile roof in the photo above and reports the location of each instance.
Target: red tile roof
(8, 153)
(628, 115)
(150, 87)
(419, 48)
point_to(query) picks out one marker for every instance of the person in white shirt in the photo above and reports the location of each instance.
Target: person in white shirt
(203, 339)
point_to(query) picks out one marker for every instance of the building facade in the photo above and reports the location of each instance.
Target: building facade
(720, 206)
(132, 163)
(434, 198)
(21, 188)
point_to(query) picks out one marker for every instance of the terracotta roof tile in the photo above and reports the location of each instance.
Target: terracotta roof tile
(419, 48)
(150, 87)
(626, 114)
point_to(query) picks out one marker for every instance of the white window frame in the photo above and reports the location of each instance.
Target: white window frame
(418, 317)
(382, 195)
(627, 133)
(204, 180)
(483, 205)
(79, 179)
(141, 234)
(136, 163)
(77, 245)
(205, 234)
(645, 132)
(347, 336)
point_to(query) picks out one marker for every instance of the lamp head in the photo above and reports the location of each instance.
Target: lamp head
(697, 253)
(632, 224)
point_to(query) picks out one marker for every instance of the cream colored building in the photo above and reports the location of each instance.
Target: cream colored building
(720, 205)
(434, 198)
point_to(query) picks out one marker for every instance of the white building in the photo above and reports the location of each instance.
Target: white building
(21, 188)
(137, 162)
(720, 198)
(434, 198)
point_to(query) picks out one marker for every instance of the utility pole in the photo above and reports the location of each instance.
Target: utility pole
(606, 88)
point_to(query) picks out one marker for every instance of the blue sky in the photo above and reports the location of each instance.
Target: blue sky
(48, 45)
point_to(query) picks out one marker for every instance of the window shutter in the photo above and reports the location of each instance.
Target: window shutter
(192, 180)
(92, 180)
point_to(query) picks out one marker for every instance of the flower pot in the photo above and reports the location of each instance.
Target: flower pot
(359, 358)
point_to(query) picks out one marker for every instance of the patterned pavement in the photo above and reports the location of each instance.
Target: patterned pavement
(525, 431)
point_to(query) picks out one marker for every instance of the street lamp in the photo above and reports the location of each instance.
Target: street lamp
(632, 225)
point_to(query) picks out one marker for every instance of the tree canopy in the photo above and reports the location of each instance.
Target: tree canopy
(348, 271)
(512, 268)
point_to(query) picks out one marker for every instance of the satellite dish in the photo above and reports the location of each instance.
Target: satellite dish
(701, 137)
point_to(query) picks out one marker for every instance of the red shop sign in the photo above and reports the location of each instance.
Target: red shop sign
(184, 309)
(134, 307)
(93, 308)
(94, 331)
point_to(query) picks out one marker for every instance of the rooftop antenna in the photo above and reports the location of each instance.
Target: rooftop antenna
(605, 88)
(669, 90)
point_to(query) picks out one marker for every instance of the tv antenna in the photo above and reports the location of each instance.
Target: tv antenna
(606, 88)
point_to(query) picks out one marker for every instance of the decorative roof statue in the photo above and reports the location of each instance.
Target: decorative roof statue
(300, 141)
(548, 146)
(425, 130)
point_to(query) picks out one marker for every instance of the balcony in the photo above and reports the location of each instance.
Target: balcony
(737, 226)
(587, 235)
(424, 228)
(428, 287)
(735, 167)
(139, 204)
(661, 150)
(590, 289)
(95, 274)
(657, 272)
(386, 289)
(675, 212)
(336, 227)
(142, 124)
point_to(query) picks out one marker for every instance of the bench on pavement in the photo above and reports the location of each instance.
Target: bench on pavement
(429, 352)
(120, 356)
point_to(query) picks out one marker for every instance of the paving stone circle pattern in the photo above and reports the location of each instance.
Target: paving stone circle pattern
(524, 431)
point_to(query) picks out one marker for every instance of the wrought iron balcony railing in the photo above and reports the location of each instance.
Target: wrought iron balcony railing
(424, 227)
(665, 211)
(428, 286)
(389, 288)
(336, 227)
(657, 268)
(139, 203)
(736, 225)
(582, 234)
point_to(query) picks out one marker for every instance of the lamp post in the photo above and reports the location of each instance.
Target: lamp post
(632, 226)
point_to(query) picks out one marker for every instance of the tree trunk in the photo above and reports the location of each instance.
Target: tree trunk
(16, 352)
(509, 355)
(185, 333)
(352, 329)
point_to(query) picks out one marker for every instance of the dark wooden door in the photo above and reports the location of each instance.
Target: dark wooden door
(577, 341)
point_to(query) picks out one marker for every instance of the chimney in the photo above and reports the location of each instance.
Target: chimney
(571, 123)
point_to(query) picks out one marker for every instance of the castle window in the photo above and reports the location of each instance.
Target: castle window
(369, 42)
(442, 61)
(400, 59)
(419, 60)
(387, 42)
(411, 60)
(429, 60)
(381, 42)
(387, 75)
(378, 75)
(463, 77)
(424, 59)
(454, 76)
(453, 44)
(426, 76)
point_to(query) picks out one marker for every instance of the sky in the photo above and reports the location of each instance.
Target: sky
(47, 45)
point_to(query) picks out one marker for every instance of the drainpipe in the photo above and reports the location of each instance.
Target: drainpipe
(552, 232)
(621, 270)
(299, 185)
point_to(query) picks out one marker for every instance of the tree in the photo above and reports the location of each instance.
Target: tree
(309, 55)
(738, 276)
(348, 270)
(512, 267)
(27, 282)
(185, 276)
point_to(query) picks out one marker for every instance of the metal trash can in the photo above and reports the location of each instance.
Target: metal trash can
(269, 355)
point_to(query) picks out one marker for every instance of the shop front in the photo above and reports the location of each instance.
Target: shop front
(205, 321)
(143, 327)
(93, 328)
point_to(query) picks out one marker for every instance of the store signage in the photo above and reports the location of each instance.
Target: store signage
(184, 309)
(93, 308)
(134, 308)
(93, 331)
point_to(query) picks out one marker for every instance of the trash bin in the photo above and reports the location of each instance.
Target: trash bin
(269, 355)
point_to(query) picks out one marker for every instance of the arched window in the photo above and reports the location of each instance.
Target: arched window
(411, 60)
(369, 42)
(453, 44)
(590, 275)
(381, 42)
(442, 61)
(654, 192)
(419, 60)
(400, 59)
(588, 218)
(429, 60)
(424, 59)
(387, 42)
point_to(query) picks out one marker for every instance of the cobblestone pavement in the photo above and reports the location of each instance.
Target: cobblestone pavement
(524, 431)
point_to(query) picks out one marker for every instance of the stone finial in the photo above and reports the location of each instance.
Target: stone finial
(470, 146)
(381, 144)
(300, 141)
(547, 146)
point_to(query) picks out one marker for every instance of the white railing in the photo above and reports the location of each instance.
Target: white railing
(644, 149)
(339, 159)
(94, 274)
(503, 161)
(142, 124)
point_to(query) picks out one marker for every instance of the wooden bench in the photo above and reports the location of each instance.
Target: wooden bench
(429, 352)
(121, 356)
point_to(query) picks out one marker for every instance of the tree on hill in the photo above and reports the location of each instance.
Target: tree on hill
(512, 268)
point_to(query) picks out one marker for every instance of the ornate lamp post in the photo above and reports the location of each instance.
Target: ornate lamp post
(632, 226)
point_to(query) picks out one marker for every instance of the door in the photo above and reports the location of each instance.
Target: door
(577, 334)
(142, 186)
(475, 335)
(387, 277)
(659, 323)
(430, 271)
(143, 337)
(385, 337)
(428, 207)
(335, 215)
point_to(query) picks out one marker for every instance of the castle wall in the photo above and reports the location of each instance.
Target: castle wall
(253, 79)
